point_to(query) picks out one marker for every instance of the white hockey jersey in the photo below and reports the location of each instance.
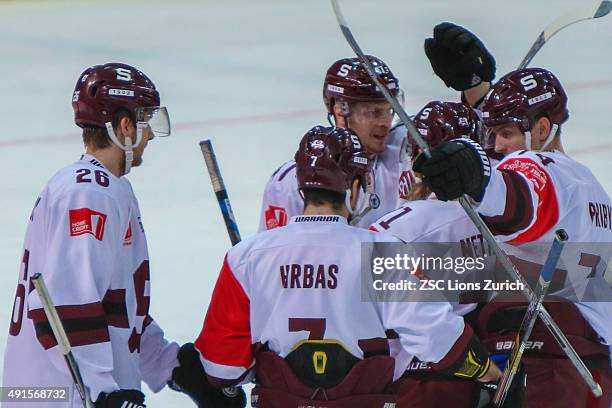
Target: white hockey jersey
(434, 221)
(86, 238)
(282, 199)
(530, 195)
(303, 281)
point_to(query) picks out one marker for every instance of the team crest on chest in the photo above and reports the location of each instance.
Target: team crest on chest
(374, 201)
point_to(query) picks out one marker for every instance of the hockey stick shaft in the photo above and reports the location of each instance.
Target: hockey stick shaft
(60, 336)
(588, 12)
(219, 187)
(471, 213)
(531, 315)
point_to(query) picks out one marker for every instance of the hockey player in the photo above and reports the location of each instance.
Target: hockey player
(535, 190)
(427, 220)
(85, 236)
(283, 299)
(353, 101)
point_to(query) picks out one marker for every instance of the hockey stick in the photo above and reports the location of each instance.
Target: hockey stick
(531, 315)
(471, 213)
(579, 14)
(226, 208)
(220, 191)
(62, 339)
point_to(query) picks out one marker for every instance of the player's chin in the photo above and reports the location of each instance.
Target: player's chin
(377, 144)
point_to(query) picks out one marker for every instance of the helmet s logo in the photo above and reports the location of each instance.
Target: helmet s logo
(356, 142)
(124, 74)
(344, 70)
(425, 113)
(75, 96)
(529, 82)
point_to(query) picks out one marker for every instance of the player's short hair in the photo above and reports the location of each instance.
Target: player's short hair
(97, 137)
(318, 197)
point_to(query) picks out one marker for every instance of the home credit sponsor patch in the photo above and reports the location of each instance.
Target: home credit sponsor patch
(87, 221)
(275, 217)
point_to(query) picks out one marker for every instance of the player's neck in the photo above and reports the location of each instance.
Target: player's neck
(111, 157)
(325, 209)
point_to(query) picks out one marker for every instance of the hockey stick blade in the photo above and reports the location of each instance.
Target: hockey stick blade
(529, 320)
(220, 192)
(597, 10)
(61, 337)
(507, 265)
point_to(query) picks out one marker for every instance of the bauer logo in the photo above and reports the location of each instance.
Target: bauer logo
(87, 221)
(120, 92)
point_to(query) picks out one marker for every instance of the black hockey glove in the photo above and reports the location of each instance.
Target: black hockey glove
(516, 395)
(458, 57)
(189, 378)
(120, 399)
(457, 167)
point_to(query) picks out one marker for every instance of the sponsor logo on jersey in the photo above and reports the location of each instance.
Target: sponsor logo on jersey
(87, 221)
(127, 240)
(275, 217)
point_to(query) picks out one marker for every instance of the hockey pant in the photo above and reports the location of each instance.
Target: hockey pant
(552, 380)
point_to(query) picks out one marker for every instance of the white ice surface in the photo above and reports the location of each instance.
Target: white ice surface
(248, 75)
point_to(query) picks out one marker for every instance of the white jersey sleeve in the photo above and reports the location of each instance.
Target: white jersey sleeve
(281, 199)
(157, 357)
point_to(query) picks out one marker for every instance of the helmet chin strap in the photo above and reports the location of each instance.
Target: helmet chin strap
(128, 147)
(549, 138)
(361, 209)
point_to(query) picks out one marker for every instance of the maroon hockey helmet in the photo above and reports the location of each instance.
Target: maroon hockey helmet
(522, 97)
(348, 80)
(102, 89)
(441, 121)
(330, 159)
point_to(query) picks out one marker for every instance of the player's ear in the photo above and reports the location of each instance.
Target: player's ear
(124, 127)
(542, 128)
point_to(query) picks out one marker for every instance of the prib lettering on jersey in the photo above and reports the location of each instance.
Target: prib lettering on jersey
(306, 276)
(601, 215)
(87, 221)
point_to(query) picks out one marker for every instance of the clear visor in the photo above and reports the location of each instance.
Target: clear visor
(156, 117)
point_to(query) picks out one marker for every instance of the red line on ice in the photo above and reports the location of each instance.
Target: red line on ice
(280, 116)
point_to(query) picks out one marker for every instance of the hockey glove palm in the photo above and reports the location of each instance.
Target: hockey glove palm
(457, 167)
(120, 399)
(458, 57)
(189, 378)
